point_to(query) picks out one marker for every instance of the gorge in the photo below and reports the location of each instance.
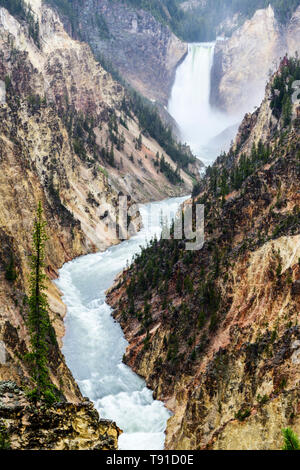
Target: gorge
(223, 320)
(150, 346)
(69, 137)
(94, 345)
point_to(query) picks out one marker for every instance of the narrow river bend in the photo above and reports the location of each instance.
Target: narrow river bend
(94, 343)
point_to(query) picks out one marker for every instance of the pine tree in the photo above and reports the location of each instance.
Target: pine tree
(139, 142)
(291, 440)
(38, 318)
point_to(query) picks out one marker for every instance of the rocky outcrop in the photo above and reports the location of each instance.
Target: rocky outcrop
(216, 335)
(144, 51)
(242, 62)
(67, 426)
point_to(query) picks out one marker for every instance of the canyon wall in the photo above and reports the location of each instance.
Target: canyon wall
(216, 335)
(243, 61)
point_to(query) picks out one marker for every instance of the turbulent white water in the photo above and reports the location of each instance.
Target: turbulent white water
(94, 343)
(190, 105)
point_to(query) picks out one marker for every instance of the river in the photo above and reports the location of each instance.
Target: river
(94, 343)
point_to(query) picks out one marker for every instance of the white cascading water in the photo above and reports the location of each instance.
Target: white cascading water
(94, 343)
(190, 105)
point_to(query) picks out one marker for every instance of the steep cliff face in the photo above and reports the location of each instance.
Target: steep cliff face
(243, 61)
(65, 140)
(216, 334)
(144, 51)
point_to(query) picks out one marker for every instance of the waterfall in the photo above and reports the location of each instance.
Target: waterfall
(201, 126)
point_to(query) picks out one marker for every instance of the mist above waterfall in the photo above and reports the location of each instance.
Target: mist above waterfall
(207, 130)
